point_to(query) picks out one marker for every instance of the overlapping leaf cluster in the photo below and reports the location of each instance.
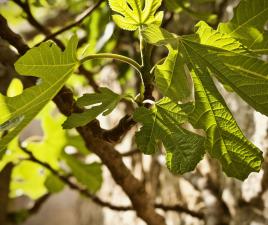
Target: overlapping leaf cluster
(186, 79)
(207, 54)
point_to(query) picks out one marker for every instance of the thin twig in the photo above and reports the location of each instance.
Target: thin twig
(78, 20)
(31, 19)
(97, 200)
(72, 185)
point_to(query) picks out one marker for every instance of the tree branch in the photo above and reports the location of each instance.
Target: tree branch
(5, 177)
(78, 21)
(14, 39)
(31, 19)
(72, 185)
(97, 200)
(141, 200)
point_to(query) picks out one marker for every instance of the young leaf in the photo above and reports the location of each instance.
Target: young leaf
(132, 15)
(53, 68)
(248, 24)
(28, 179)
(89, 175)
(55, 139)
(184, 149)
(102, 103)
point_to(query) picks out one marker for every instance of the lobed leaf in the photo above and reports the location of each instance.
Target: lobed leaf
(248, 25)
(53, 68)
(211, 52)
(131, 14)
(184, 149)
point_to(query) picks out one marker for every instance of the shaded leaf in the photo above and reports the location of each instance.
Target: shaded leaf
(102, 103)
(184, 149)
(89, 175)
(54, 184)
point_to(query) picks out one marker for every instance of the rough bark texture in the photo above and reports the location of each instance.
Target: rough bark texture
(5, 176)
(142, 202)
(135, 190)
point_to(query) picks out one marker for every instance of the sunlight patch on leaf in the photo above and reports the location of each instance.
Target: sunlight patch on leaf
(131, 14)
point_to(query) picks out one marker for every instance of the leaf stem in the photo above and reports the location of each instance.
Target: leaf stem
(141, 47)
(121, 58)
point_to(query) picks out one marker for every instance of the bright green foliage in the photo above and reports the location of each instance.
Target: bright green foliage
(208, 52)
(248, 24)
(28, 178)
(102, 103)
(245, 73)
(50, 147)
(53, 68)
(184, 149)
(15, 88)
(13, 154)
(227, 59)
(89, 175)
(132, 14)
(173, 78)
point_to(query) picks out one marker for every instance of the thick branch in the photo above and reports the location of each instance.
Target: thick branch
(5, 177)
(13, 38)
(142, 202)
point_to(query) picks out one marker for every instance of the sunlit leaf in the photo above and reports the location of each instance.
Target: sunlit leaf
(131, 14)
(53, 68)
(205, 54)
(248, 24)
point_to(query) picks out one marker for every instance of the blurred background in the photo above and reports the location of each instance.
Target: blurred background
(35, 197)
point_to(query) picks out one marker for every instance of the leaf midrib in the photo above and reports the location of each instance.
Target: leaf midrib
(30, 105)
(223, 77)
(248, 21)
(211, 109)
